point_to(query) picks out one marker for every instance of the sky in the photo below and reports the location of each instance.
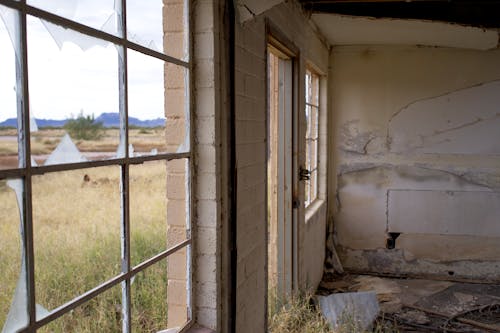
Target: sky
(70, 72)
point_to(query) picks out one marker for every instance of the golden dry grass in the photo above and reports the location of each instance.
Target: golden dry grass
(45, 140)
(299, 314)
(77, 245)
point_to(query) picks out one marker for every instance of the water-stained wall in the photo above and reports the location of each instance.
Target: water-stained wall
(416, 160)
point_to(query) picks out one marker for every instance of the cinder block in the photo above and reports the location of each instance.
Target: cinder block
(204, 45)
(207, 211)
(207, 240)
(177, 315)
(174, 76)
(250, 153)
(176, 265)
(255, 87)
(203, 18)
(175, 235)
(176, 212)
(176, 293)
(254, 192)
(207, 317)
(205, 102)
(239, 79)
(176, 186)
(250, 109)
(206, 295)
(175, 131)
(206, 186)
(206, 158)
(255, 43)
(206, 130)
(204, 72)
(206, 268)
(258, 259)
(174, 44)
(177, 166)
(248, 131)
(248, 63)
(250, 173)
(173, 17)
(175, 103)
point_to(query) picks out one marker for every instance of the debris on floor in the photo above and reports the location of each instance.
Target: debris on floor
(420, 305)
(358, 309)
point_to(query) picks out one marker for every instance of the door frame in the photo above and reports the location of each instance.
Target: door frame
(283, 44)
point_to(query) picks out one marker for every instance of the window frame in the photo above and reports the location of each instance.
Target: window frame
(25, 171)
(310, 71)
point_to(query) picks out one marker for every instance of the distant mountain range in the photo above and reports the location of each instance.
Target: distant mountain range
(110, 119)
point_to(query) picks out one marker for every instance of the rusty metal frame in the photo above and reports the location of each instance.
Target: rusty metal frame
(25, 172)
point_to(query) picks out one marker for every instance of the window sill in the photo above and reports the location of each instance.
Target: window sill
(313, 208)
(192, 329)
(199, 329)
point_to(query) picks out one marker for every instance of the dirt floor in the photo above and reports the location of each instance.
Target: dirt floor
(418, 305)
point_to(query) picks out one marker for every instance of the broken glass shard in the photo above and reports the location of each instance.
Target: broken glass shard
(8, 96)
(98, 14)
(13, 300)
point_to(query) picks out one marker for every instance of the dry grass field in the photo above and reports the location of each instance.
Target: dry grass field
(76, 217)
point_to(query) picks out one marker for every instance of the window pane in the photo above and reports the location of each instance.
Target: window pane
(308, 87)
(314, 184)
(308, 122)
(13, 304)
(158, 207)
(100, 314)
(98, 14)
(148, 210)
(149, 299)
(158, 106)
(314, 122)
(166, 30)
(146, 97)
(76, 219)
(315, 90)
(73, 90)
(313, 154)
(8, 106)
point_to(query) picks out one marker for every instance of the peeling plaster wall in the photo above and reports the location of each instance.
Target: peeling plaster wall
(416, 151)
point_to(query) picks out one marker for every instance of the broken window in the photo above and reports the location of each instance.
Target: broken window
(95, 166)
(312, 135)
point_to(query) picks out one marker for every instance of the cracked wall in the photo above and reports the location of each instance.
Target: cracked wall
(416, 154)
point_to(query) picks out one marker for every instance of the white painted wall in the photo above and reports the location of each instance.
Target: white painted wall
(416, 150)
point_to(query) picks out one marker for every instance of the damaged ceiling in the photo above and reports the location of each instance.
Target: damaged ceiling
(477, 13)
(351, 30)
(467, 24)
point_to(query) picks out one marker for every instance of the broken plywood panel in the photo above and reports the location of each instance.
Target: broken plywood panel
(474, 213)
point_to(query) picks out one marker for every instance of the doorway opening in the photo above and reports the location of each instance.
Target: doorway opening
(280, 236)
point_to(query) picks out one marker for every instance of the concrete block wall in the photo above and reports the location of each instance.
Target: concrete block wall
(175, 21)
(208, 219)
(251, 112)
(416, 147)
(206, 199)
